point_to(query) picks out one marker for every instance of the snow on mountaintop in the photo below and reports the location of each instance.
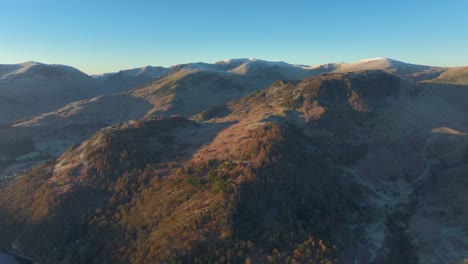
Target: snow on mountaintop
(33, 68)
(385, 64)
(228, 61)
(247, 60)
(376, 59)
(237, 60)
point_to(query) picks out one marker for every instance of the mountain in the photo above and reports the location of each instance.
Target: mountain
(185, 90)
(361, 166)
(35, 88)
(30, 88)
(269, 69)
(260, 68)
(126, 79)
(379, 64)
(412, 71)
(457, 76)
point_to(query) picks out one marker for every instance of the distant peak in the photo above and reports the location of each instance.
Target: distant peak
(251, 60)
(228, 61)
(376, 59)
(146, 68)
(30, 63)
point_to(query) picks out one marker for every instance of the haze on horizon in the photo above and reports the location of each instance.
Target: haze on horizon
(106, 37)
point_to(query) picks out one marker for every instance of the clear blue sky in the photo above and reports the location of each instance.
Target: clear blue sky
(102, 36)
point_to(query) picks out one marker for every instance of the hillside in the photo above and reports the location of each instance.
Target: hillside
(33, 88)
(30, 88)
(337, 167)
(183, 90)
(126, 79)
(158, 196)
(456, 76)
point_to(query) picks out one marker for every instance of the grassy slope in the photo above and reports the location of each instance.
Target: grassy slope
(458, 76)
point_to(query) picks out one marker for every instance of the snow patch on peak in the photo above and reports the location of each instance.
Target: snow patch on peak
(229, 61)
(385, 64)
(376, 59)
(250, 60)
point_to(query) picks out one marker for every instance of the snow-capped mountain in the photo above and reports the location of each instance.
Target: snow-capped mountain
(414, 71)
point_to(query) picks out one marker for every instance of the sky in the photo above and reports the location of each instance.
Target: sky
(105, 36)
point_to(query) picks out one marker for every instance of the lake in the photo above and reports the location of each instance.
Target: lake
(9, 259)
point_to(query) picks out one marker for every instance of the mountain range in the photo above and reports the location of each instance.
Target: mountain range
(239, 161)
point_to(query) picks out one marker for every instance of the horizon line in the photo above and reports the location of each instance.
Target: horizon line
(224, 60)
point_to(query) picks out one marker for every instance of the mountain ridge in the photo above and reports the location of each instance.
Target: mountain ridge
(335, 167)
(247, 60)
(241, 161)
